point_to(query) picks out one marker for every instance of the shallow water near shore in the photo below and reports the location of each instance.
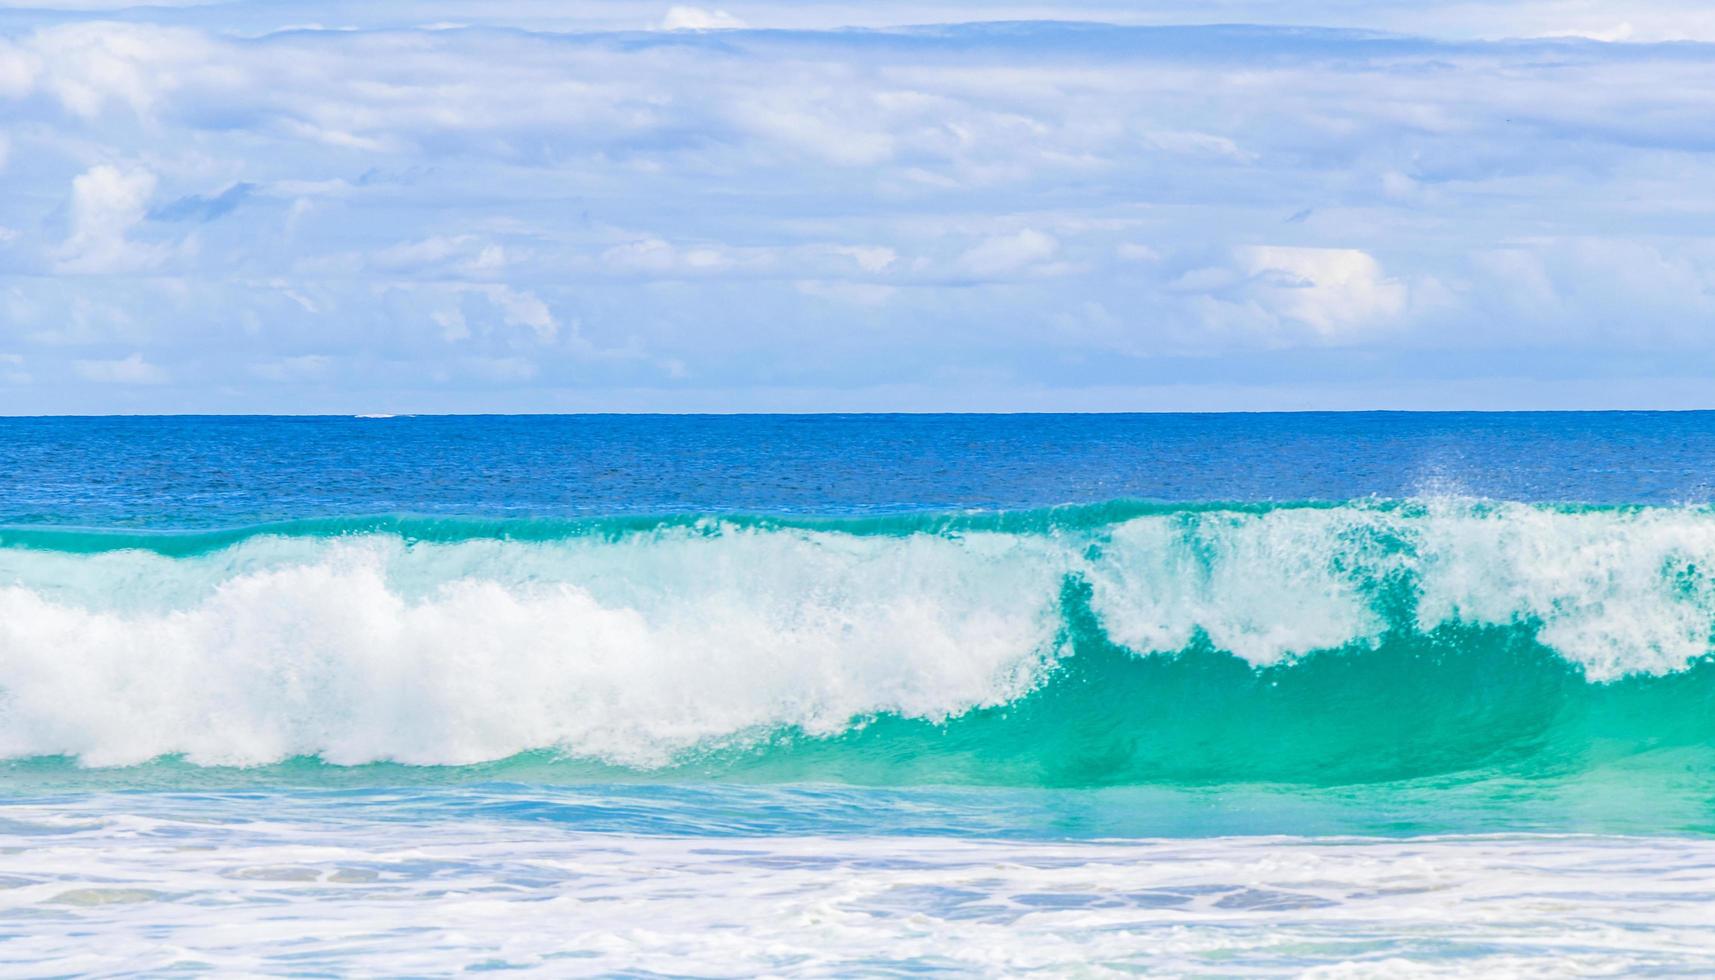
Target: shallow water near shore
(441, 882)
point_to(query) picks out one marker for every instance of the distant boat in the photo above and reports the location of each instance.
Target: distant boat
(376, 415)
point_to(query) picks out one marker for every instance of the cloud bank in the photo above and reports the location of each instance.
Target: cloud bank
(710, 212)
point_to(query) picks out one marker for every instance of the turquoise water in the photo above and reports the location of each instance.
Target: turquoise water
(1406, 653)
(946, 655)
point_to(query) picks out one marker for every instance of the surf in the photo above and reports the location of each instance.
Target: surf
(1117, 644)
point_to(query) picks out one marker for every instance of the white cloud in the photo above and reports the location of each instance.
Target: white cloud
(412, 255)
(655, 257)
(91, 66)
(96, 5)
(818, 124)
(1333, 290)
(1591, 290)
(452, 323)
(469, 311)
(106, 203)
(1056, 200)
(1654, 19)
(1619, 32)
(1009, 254)
(305, 303)
(645, 255)
(456, 254)
(869, 258)
(524, 309)
(12, 370)
(19, 67)
(1192, 143)
(698, 19)
(1204, 279)
(132, 370)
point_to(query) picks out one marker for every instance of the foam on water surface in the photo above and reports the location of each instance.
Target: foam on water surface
(1366, 695)
(276, 883)
(1092, 646)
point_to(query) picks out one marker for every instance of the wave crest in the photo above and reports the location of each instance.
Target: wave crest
(644, 645)
(627, 651)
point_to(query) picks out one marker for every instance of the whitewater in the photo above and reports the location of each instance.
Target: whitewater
(217, 886)
(750, 645)
(1396, 695)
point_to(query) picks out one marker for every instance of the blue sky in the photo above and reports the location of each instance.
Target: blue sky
(456, 206)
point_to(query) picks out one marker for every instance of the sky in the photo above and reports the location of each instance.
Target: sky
(445, 206)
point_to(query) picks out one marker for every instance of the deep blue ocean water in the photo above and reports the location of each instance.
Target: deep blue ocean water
(224, 471)
(1184, 693)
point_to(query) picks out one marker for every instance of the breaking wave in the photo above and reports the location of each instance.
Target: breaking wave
(1113, 644)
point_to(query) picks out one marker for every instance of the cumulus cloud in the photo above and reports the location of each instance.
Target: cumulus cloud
(525, 309)
(18, 69)
(869, 258)
(698, 19)
(91, 68)
(107, 202)
(495, 305)
(1333, 290)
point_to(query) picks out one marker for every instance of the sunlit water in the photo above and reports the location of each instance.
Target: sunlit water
(1364, 695)
(265, 884)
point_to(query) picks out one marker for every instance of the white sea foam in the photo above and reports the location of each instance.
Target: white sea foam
(633, 647)
(1618, 592)
(128, 885)
(627, 651)
(1263, 586)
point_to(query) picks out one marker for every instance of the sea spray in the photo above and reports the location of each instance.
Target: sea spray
(1107, 645)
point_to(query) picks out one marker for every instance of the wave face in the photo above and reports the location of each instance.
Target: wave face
(1106, 645)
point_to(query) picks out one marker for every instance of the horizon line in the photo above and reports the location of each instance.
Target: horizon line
(394, 416)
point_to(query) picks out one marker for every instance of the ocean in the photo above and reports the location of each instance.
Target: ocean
(1211, 695)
